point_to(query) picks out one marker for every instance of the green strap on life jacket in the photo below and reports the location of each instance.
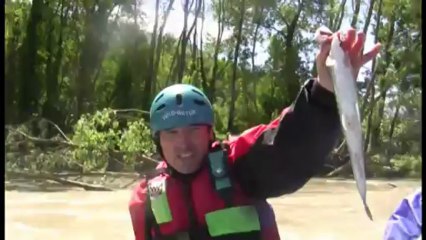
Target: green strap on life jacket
(233, 220)
(159, 203)
(219, 170)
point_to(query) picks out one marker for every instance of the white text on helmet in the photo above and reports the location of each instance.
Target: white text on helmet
(182, 113)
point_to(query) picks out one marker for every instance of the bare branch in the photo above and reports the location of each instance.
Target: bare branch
(281, 32)
(282, 18)
(130, 110)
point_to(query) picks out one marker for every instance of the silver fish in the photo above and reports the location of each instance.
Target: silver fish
(339, 66)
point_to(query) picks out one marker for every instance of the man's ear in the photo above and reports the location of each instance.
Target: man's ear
(156, 138)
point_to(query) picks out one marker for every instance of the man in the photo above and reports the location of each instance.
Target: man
(214, 190)
(405, 222)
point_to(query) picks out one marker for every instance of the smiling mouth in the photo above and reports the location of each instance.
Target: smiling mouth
(185, 155)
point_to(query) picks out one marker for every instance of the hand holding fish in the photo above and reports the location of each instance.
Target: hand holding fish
(338, 63)
(352, 43)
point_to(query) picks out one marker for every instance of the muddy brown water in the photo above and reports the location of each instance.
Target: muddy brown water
(322, 210)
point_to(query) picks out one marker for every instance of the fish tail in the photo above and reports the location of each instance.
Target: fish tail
(367, 210)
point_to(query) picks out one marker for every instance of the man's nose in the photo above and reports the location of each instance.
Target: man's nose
(184, 139)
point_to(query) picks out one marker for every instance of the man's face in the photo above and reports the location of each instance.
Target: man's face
(185, 148)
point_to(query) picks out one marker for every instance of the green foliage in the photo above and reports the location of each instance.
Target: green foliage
(220, 115)
(136, 140)
(100, 134)
(407, 165)
(378, 166)
(95, 135)
(28, 155)
(99, 56)
(99, 140)
(399, 166)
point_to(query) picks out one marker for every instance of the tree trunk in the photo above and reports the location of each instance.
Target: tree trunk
(369, 14)
(172, 69)
(394, 121)
(121, 96)
(160, 44)
(30, 84)
(148, 82)
(52, 109)
(184, 43)
(258, 22)
(339, 17)
(376, 131)
(235, 69)
(330, 16)
(11, 74)
(198, 6)
(291, 78)
(194, 61)
(372, 82)
(220, 29)
(390, 150)
(356, 13)
(201, 57)
(92, 52)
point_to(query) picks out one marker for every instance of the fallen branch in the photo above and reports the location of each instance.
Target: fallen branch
(46, 176)
(130, 110)
(340, 148)
(139, 157)
(48, 121)
(59, 129)
(343, 168)
(42, 140)
(129, 184)
(85, 186)
(97, 174)
(73, 145)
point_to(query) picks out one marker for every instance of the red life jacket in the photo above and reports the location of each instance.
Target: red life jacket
(212, 207)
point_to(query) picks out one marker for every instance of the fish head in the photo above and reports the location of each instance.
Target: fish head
(336, 50)
(337, 53)
(321, 34)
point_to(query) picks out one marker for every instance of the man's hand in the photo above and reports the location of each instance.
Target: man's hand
(353, 44)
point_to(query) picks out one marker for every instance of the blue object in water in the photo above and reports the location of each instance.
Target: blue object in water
(406, 222)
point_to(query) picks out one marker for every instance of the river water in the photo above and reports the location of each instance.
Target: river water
(322, 210)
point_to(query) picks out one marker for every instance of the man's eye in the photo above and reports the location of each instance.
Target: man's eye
(195, 128)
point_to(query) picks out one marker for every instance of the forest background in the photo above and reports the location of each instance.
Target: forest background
(80, 75)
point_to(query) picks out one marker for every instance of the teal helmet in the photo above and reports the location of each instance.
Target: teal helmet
(180, 105)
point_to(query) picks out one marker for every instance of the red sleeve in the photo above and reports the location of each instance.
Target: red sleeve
(137, 210)
(278, 158)
(240, 145)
